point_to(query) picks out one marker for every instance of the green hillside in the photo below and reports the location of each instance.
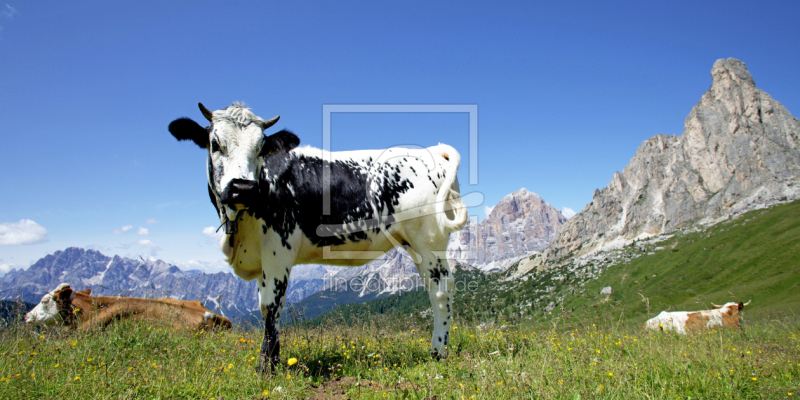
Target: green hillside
(755, 256)
(13, 311)
(399, 304)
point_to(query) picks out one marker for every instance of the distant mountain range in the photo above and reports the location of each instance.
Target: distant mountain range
(520, 224)
(112, 276)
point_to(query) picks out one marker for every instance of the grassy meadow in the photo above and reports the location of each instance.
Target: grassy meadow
(589, 346)
(388, 358)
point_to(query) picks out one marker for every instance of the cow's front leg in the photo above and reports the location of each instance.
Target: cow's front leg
(271, 295)
(438, 280)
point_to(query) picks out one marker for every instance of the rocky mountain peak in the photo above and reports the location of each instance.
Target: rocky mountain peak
(738, 151)
(521, 223)
(515, 205)
(729, 73)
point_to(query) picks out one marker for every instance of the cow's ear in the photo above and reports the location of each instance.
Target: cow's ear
(86, 292)
(65, 294)
(741, 306)
(186, 129)
(281, 141)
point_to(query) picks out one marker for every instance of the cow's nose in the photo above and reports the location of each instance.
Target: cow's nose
(239, 191)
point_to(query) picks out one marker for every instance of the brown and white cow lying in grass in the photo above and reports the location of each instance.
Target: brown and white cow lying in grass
(80, 310)
(726, 315)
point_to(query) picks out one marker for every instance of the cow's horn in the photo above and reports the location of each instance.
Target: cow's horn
(268, 123)
(205, 111)
(747, 303)
(715, 306)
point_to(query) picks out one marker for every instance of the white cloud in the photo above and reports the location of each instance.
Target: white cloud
(154, 249)
(4, 268)
(205, 266)
(214, 237)
(151, 221)
(23, 232)
(9, 12)
(212, 233)
(147, 243)
(142, 231)
(122, 230)
(568, 212)
(487, 210)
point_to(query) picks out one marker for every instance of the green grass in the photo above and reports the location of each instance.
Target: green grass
(388, 358)
(589, 346)
(754, 257)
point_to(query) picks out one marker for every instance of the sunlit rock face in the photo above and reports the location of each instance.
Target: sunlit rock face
(520, 224)
(738, 152)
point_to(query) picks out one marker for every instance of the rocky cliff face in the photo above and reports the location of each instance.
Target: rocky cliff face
(738, 152)
(521, 223)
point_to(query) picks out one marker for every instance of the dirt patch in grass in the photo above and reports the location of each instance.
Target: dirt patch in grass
(337, 388)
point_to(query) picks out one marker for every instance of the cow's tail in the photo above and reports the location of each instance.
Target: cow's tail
(448, 199)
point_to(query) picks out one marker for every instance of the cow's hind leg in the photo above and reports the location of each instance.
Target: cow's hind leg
(271, 294)
(438, 280)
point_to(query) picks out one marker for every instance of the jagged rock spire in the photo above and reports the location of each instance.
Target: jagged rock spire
(738, 151)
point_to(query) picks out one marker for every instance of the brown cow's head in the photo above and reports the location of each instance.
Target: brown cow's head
(730, 313)
(55, 307)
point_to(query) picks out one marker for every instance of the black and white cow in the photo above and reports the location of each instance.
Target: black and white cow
(284, 205)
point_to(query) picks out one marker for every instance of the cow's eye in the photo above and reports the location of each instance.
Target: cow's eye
(266, 147)
(214, 146)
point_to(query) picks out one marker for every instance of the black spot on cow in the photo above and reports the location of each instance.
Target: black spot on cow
(291, 196)
(438, 272)
(271, 347)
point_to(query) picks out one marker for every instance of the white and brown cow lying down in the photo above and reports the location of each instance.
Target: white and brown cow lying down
(80, 310)
(726, 315)
(284, 205)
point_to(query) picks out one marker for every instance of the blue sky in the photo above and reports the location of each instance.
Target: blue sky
(566, 92)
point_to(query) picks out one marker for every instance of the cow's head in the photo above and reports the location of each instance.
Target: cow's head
(55, 307)
(730, 313)
(236, 147)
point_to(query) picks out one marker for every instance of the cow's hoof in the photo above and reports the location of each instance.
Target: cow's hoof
(265, 368)
(436, 356)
